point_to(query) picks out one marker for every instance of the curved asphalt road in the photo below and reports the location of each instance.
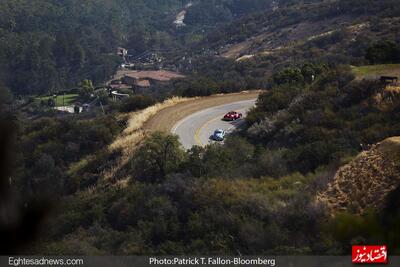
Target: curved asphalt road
(197, 128)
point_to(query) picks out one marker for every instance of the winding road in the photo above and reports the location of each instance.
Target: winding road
(197, 128)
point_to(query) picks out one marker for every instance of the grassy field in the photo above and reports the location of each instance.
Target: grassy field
(68, 99)
(376, 71)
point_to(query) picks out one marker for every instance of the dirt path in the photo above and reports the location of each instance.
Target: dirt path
(168, 117)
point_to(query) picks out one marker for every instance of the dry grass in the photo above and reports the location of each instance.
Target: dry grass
(388, 99)
(393, 88)
(366, 181)
(134, 134)
(159, 75)
(376, 71)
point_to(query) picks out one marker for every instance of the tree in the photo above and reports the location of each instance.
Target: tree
(86, 89)
(136, 102)
(195, 163)
(104, 97)
(46, 177)
(383, 53)
(288, 75)
(277, 99)
(308, 73)
(159, 155)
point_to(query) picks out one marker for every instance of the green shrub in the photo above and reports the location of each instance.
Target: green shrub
(134, 103)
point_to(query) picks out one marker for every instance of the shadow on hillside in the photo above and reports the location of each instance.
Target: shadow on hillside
(19, 220)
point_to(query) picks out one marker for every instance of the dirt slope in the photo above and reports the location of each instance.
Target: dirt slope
(366, 181)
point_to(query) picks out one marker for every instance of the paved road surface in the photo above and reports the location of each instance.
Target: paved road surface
(197, 128)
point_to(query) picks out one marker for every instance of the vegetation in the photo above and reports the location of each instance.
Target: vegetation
(220, 11)
(116, 193)
(34, 60)
(320, 124)
(48, 46)
(60, 100)
(252, 195)
(51, 150)
(134, 103)
(383, 52)
(291, 13)
(375, 71)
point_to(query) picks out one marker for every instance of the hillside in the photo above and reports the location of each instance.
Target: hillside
(366, 181)
(307, 29)
(114, 180)
(123, 192)
(50, 46)
(244, 54)
(47, 46)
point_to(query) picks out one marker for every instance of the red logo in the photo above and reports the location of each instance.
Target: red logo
(369, 254)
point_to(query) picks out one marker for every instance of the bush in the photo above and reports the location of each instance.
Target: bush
(160, 155)
(356, 92)
(383, 53)
(289, 75)
(135, 103)
(276, 99)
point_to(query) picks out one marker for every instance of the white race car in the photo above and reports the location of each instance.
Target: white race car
(218, 135)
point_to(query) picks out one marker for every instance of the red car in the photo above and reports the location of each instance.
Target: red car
(232, 116)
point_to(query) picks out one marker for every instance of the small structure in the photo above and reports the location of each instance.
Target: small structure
(389, 79)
